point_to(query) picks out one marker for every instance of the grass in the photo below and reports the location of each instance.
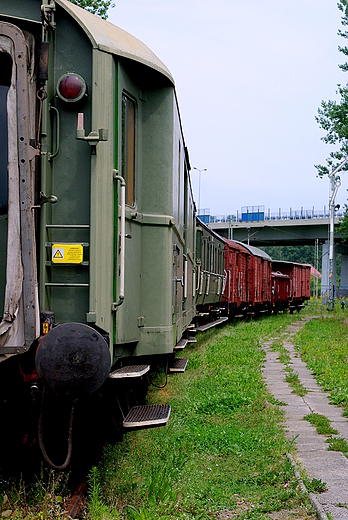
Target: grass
(223, 454)
(295, 383)
(323, 345)
(291, 377)
(315, 485)
(44, 500)
(321, 423)
(338, 444)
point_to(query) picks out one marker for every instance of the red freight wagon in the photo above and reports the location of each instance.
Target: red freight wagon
(260, 286)
(280, 291)
(299, 292)
(237, 259)
(306, 281)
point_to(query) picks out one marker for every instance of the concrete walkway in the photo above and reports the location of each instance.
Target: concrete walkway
(312, 451)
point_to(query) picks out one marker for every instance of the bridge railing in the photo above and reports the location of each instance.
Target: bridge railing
(260, 216)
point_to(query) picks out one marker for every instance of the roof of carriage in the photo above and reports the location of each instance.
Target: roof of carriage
(109, 38)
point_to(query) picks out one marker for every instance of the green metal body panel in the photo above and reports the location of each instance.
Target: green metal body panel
(159, 257)
(67, 176)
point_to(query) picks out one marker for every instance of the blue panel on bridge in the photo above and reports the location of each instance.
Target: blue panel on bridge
(253, 217)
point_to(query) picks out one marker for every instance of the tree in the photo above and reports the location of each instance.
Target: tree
(98, 7)
(333, 118)
(332, 115)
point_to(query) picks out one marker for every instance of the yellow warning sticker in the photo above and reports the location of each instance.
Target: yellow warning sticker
(67, 253)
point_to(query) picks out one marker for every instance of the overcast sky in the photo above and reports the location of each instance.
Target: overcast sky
(250, 76)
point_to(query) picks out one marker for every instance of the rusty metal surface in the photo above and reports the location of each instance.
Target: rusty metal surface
(76, 502)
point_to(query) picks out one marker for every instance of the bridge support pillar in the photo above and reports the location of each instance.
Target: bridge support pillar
(325, 272)
(344, 274)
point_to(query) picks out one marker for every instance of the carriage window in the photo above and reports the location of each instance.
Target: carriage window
(199, 245)
(128, 147)
(5, 82)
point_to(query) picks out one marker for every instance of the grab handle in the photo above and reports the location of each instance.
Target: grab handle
(55, 153)
(122, 236)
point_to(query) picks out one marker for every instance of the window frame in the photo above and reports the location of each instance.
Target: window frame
(130, 186)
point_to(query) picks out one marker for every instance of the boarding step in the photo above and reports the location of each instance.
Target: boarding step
(191, 326)
(239, 316)
(129, 371)
(180, 345)
(178, 366)
(191, 339)
(212, 324)
(147, 416)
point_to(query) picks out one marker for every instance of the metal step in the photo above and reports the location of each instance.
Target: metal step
(178, 366)
(130, 371)
(147, 416)
(212, 324)
(180, 345)
(191, 339)
(239, 316)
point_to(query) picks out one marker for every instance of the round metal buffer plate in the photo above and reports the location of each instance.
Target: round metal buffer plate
(73, 360)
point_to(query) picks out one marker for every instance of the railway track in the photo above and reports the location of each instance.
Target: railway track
(76, 502)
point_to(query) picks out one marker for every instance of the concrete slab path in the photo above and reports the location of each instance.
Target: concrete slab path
(312, 451)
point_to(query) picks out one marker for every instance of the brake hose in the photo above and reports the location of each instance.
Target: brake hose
(41, 441)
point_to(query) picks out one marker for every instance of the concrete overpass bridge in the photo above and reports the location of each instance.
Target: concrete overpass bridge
(277, 232)
(293, 228)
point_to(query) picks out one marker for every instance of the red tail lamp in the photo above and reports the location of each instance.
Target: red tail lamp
(71, 87)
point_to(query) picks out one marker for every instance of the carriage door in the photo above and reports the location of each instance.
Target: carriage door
(19, 319)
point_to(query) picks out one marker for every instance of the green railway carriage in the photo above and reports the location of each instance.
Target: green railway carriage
(211, 279)
(97, 222)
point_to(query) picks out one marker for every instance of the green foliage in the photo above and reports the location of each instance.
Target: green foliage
(302, 254)
(98, 7)
(332, 115)
(343, 228)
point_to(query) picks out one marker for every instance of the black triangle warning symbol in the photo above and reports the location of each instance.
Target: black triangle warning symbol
(58, 254)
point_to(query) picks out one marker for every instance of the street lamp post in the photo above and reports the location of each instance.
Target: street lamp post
(199, 186)
(335, 183)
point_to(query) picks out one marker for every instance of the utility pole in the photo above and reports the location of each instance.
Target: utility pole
(316, 265)
(335, 183)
